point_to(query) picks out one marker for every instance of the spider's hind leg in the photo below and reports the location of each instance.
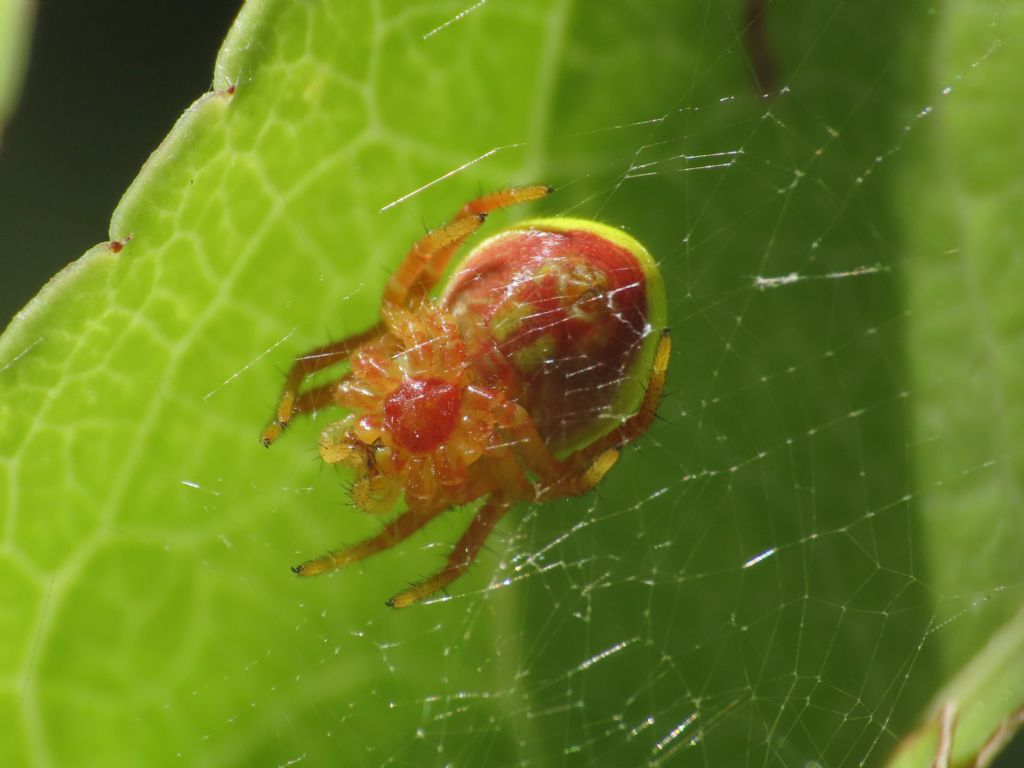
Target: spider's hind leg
(581, 482)
(402, 527)
(461, 557)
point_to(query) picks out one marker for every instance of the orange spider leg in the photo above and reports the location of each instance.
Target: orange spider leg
(461, 557)
(399, 529)
(305, 365)
(484, 204)
(426, 260)
(503, 198)
(411, 521)
(450, 236)
(583, 481)
(316, 398)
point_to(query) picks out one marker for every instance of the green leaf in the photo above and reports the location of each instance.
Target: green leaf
(977, 713)
(15, 34)
(764, 579)
(962, 196)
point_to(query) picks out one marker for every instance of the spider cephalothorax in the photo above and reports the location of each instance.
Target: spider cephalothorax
(545, 354)
(417, 423)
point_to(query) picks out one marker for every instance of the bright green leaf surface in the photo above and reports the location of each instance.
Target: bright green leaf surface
(148, 616)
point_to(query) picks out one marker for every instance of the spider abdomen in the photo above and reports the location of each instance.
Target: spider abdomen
(561, 310)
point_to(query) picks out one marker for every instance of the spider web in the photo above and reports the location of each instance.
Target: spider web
(751, 584)
(747, 588)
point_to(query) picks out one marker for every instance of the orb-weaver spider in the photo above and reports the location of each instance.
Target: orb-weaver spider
(513, 386)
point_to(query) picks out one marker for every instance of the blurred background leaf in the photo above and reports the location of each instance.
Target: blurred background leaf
(15, 29)
(821, 533)
(15, 32)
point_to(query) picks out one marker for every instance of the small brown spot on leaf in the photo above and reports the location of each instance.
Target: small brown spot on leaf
(117, 245)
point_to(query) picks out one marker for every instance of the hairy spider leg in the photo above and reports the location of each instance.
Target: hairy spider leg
(461, 557)
(429, 256)
(448, 237)
(583, 481)
(399, 529)
(306, 364)
(503, 198)
(484, 204)
(505, 473)
(410, 521)
(318, 397)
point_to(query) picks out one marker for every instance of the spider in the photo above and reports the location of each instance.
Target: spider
(510, 387)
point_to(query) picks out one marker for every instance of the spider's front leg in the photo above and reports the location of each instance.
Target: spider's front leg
(423, 264)
(291, 403)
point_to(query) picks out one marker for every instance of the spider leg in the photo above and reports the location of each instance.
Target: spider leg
(583, 481)
(448, 237)
(309, 363)
(423, 264)
(316, 398)
(402, 527)
(461, 557)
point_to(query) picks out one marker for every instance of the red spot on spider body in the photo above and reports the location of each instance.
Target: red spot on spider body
(231, 90)
(567, 312)
(422, 413)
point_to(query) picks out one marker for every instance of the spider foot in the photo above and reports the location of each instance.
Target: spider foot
(329, 562)
(421, 590)
(595, 473)
(271, 433)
